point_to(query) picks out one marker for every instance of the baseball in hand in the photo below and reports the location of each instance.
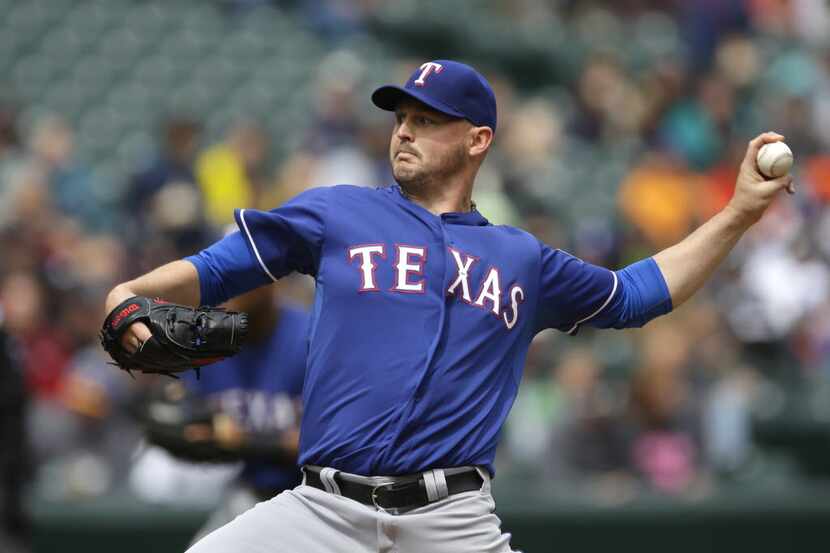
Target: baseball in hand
(775, 160)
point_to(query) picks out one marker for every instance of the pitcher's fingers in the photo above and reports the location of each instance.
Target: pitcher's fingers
(129, 343)
(756, 143)
(141, 331)
(781, 183)
(135, 336)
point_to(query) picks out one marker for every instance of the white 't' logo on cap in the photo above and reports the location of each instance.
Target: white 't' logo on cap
(426, 71)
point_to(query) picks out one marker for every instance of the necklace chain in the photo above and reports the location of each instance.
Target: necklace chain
(411, 199)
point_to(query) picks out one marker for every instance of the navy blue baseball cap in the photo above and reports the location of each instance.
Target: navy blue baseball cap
(447, 86)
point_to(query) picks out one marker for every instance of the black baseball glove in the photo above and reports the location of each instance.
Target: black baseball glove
(183, 337)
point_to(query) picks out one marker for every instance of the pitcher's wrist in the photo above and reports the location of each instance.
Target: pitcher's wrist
(740, 218)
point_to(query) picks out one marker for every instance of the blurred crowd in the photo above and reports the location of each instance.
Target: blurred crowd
(621, 149)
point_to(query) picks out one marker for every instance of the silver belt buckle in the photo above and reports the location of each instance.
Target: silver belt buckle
(375, 495)
(391, 487)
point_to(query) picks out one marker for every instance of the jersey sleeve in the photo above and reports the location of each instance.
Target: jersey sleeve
(571, 291)
(226, 269)
(288, 238)
(642, 295)
(269, 245)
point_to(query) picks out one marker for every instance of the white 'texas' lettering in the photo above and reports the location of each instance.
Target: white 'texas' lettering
(367, 264)
(463, 275)
(490, 290)
(517, 295)
(409, 264)
(405, 267)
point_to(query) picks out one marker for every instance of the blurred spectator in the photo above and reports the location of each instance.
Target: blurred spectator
(820, 106)
(10, 160)
(72, 188)
(537, 406)
(164, 199)
(584, 441)
(727, 420)
(45, 346)
(532, 143)
(601, 95)
(816, 173)
(656, 198)
(337, 119)
(232, 173)
(706, 21)
(716, 187)
(811, 19)
(664, 439)
(77, 414)
(694, 129)
(758, 308)
(88, 436)
(348, 146)
(601, 444)
(9, 139)
(337, 19)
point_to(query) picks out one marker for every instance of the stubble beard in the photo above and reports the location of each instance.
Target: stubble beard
(419, 182)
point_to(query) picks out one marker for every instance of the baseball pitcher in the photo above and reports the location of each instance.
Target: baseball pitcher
(422, 318)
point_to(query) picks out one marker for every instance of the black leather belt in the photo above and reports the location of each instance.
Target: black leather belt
(403, 496)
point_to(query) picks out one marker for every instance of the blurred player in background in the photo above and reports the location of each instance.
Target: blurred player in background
(244, 408)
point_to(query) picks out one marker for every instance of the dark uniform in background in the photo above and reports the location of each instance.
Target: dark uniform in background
(244, 408)
(14, 524)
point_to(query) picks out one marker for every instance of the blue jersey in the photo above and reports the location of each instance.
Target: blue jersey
(421, 323)
(260, 388)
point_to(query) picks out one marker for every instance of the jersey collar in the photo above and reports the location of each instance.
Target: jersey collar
(470, 218)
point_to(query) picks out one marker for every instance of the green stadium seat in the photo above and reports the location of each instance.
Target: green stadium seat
(157, 71)
(149, 18)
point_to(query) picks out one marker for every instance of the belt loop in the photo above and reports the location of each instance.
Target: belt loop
(441, 483)
(302, 469)
(485, 476)
(327, 475)
(435, 483)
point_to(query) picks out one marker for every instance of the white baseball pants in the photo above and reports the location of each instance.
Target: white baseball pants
(308, 520)
(238, 499)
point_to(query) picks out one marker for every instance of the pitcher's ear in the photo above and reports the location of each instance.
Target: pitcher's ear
(480, 140)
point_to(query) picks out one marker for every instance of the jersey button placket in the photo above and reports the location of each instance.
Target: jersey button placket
(443, 241)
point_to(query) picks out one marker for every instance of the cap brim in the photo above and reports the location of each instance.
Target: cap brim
(388, 97)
